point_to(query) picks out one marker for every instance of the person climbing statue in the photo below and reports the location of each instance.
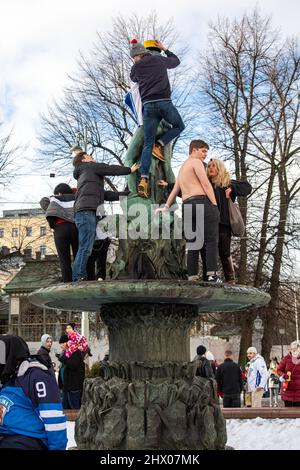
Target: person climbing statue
(150, 72)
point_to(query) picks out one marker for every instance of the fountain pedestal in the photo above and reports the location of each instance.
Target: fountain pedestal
(149, 396)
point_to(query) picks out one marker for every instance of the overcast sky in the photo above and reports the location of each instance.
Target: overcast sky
(41, 40)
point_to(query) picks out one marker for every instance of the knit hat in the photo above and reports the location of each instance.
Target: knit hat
(137, 48)
(45, 338)
(252, 349)
(150, 45)
(201, 350)
(63, 339)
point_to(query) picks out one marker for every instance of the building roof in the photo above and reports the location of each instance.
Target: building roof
(35, 275)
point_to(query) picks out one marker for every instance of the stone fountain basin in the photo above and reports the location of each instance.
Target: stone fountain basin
(89, 296)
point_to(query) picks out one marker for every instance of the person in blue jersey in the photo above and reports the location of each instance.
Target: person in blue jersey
(31, 414)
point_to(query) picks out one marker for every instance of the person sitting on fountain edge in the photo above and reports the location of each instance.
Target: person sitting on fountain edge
(150, 72)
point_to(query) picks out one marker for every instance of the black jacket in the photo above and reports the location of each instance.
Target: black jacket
(90, 186)
(74, 372)
(44, 354)
(229, 378)
(151, 74)
(239, 188)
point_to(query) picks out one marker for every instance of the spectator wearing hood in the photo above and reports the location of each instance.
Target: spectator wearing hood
(31, 415)
(257, 377)
(44, 351)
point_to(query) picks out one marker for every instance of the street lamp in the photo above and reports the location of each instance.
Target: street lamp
(281, 331)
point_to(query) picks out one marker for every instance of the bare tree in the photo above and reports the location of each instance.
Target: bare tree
(250, 82)
(8, 153)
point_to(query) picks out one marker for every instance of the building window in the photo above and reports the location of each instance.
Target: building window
(1, 232)
(42, 231)
(14, 232)
(43, 249)
(28, 232)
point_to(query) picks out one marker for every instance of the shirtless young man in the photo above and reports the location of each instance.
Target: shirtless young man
(196, 189)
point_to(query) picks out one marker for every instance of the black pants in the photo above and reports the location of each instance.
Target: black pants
(232, 401)
(224, 241)
(96, 265)
(211, 232)
(65, 238)
(290, 404)
(19, 442)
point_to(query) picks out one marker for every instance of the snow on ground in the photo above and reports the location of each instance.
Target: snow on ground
(250, 434)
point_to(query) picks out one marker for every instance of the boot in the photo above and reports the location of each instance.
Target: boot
(228, 269)
(157, 152)
(143, 188)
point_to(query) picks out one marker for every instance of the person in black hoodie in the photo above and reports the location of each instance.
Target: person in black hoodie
(230, 381)
(204, 368)
(151, 73)
(90, 194)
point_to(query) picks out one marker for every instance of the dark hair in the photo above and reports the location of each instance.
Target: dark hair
(78, 158)
(63, 188)
(197, 144)
(63, 339)
(228, 353)
(73, 325)
(201, 350)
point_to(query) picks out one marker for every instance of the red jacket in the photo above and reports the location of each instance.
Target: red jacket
(293, 391)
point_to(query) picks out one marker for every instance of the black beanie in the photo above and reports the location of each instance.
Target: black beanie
(63, 339)
(201, 350)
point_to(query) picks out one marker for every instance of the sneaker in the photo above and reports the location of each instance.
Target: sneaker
(99, 279)
(214, 278)
(193, 278)
(157, 152)
(143, 188)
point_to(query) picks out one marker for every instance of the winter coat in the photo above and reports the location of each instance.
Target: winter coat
(76, 342)
(90, 183)
(293, 391)
(58, 207)
(229, 378)
(74, 372)
(239, 188)
(151, 73)
(257, 375)
(44, 354)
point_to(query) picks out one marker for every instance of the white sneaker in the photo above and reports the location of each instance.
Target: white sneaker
(99, 279)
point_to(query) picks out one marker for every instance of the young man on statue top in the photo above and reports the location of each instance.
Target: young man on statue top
(150, 71)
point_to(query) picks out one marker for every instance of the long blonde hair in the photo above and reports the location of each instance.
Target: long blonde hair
(223, 178)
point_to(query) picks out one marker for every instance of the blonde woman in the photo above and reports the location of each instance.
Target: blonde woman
(225, 188)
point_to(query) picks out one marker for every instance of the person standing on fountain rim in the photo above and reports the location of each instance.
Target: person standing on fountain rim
(150, 71)
(90, 194)
(196, 191)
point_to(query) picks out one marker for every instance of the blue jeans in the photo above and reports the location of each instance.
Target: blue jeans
(85, 222)
(153, 113)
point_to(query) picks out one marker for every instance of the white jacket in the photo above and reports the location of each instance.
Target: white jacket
(257, 374)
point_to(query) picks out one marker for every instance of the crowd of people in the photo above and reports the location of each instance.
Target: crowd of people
(255, 379)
